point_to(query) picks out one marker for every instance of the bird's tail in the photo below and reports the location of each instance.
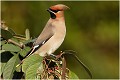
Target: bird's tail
(28, 54)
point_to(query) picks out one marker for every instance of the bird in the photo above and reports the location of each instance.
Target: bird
(53, 33)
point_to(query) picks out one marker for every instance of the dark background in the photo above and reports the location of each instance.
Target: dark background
(92, 31)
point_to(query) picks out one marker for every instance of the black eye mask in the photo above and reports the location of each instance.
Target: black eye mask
(55, 11)
(52, 13)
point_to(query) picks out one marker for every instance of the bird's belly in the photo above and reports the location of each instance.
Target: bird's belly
(50, 46)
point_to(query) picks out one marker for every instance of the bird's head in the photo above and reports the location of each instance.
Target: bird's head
(57, 11)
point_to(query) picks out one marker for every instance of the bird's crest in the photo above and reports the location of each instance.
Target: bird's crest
(60, 7)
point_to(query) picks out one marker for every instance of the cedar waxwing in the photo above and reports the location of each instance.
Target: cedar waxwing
(53, 34)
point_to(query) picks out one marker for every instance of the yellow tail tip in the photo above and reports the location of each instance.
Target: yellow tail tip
(18, 65)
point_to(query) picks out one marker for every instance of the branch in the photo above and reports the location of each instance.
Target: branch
(11, 41)
(63, 67)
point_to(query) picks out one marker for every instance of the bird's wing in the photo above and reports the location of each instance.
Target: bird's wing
(46, 34)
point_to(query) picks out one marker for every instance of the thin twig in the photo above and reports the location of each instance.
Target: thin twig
(19, 37)
(70, 52)
(63, 67)
(11, 41)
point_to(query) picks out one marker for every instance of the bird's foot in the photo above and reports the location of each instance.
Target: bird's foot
(53, 56)
(57, 56)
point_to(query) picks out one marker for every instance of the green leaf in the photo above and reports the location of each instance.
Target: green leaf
(13, 53)
(72, 75)
(2, 65)
(10, 67)
(20, 37)
(1, 51)
(6, 34)
(31, 60)
(3, 42)
(11, 31)
(18, 69)
(24, 51)
(16, 40)
(11, 47)
(5, 57)
(31, 72)
(27, 33)
(40, 69)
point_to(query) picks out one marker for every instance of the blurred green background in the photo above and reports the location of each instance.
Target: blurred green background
(92, 31)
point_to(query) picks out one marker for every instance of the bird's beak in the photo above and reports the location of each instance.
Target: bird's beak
(48, 10)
